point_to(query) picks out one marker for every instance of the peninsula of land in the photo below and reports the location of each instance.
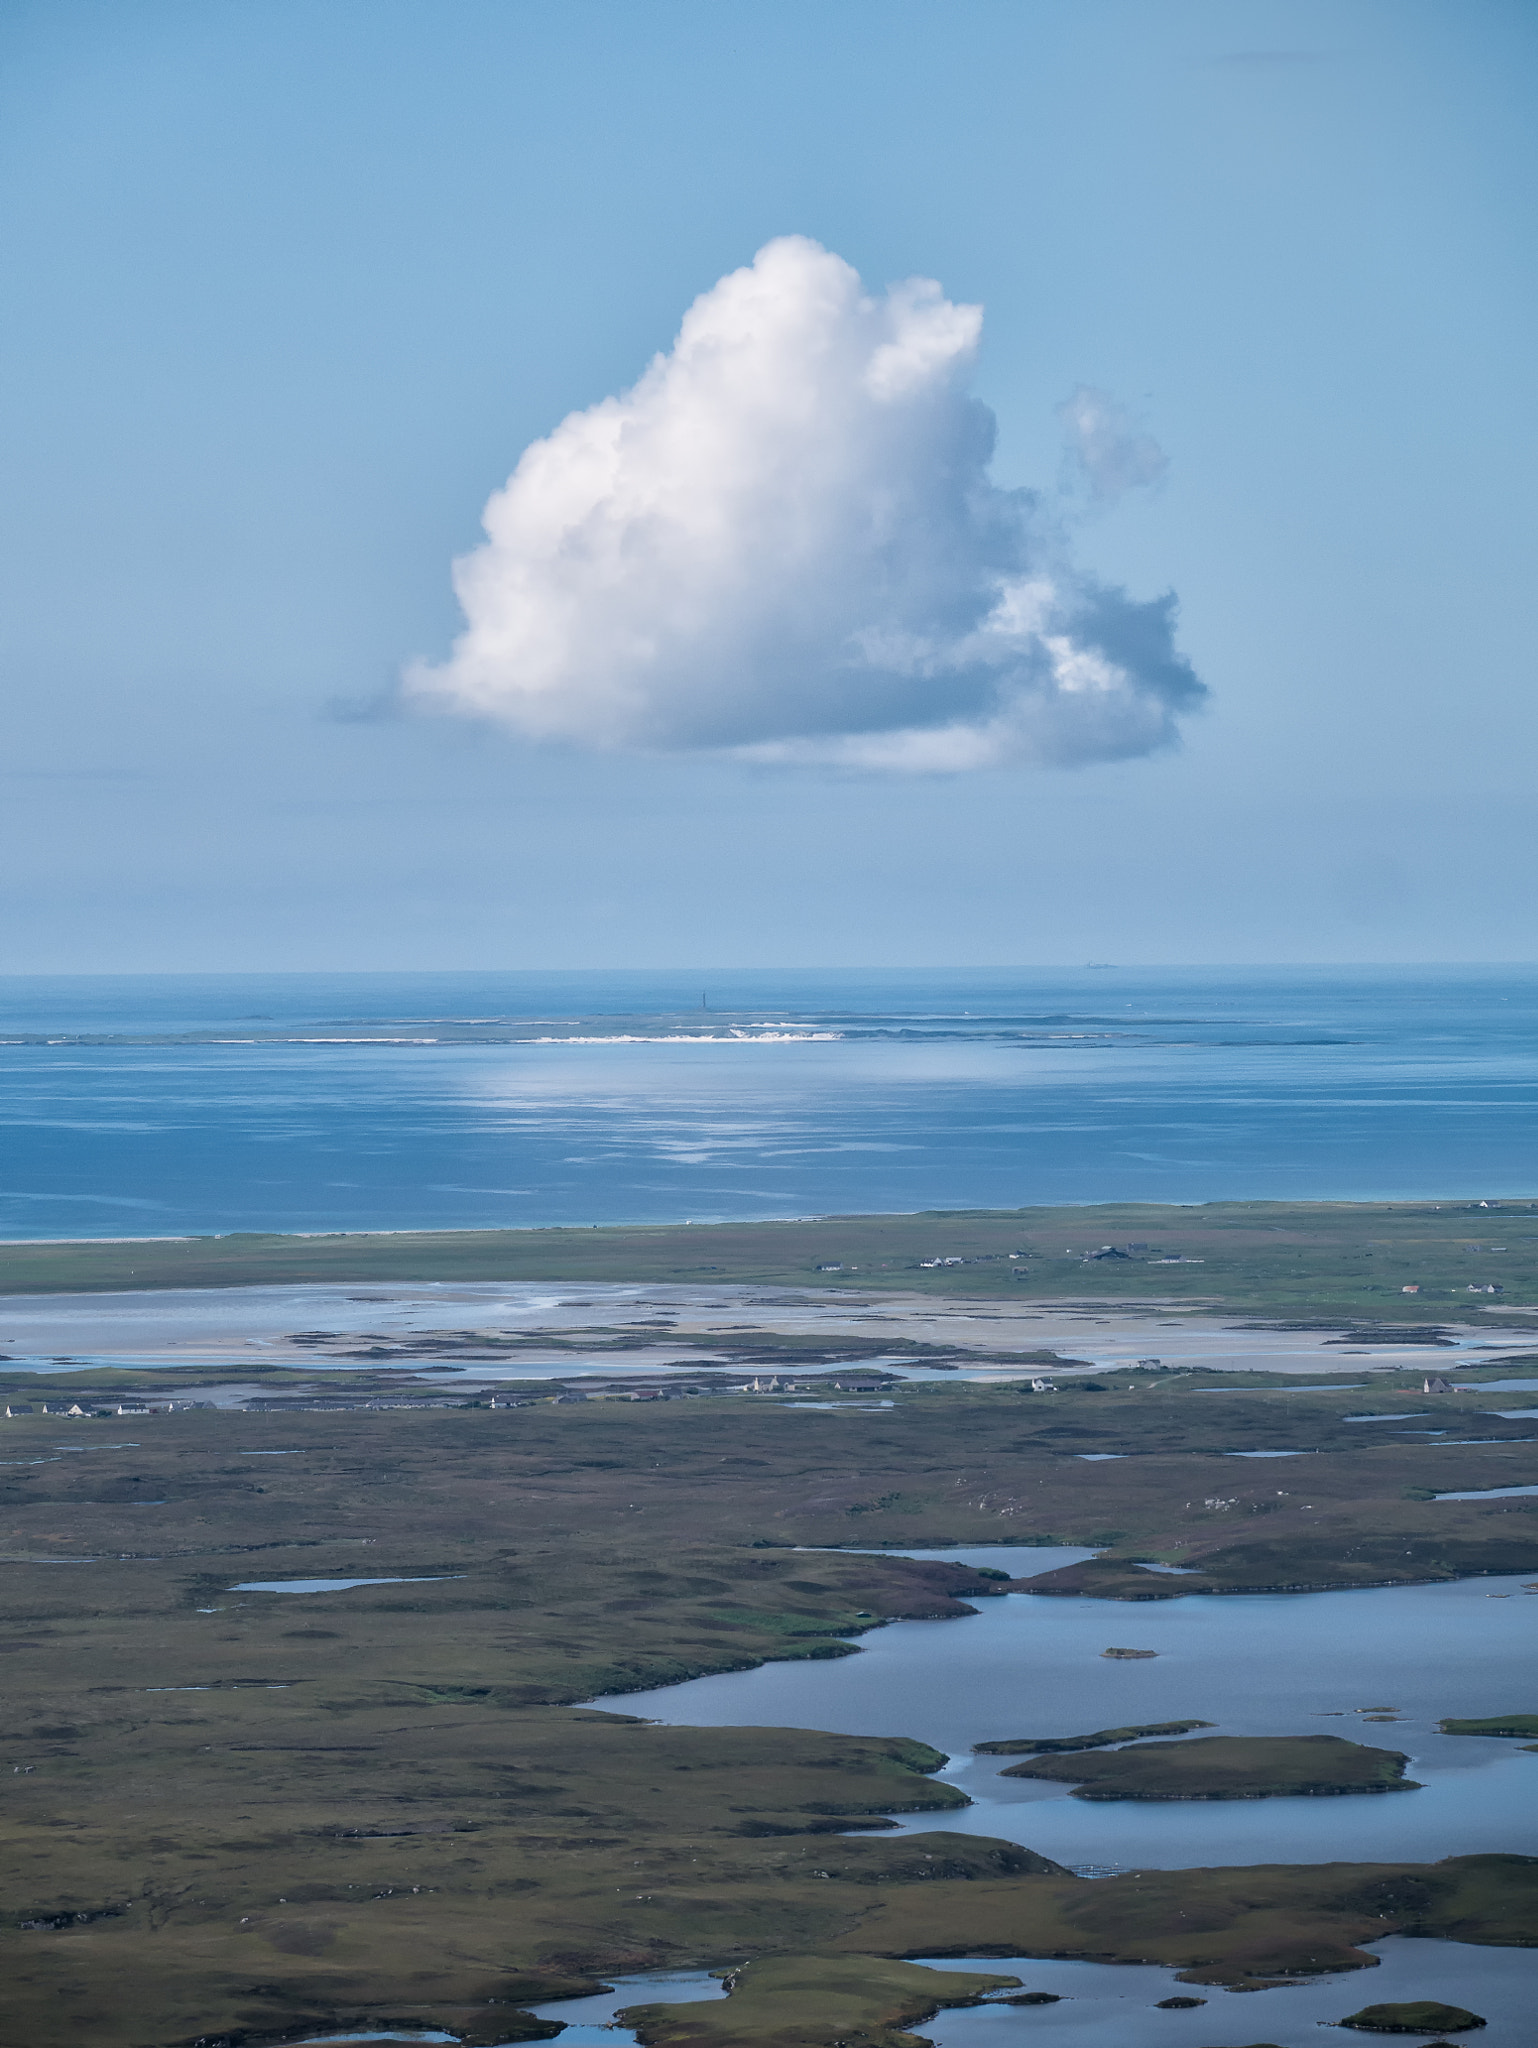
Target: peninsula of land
(1404, 1263)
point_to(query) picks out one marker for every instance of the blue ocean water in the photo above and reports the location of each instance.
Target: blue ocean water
(157, 1105)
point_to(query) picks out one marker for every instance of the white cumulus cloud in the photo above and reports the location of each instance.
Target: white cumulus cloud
(1106, 448)
(784, 543)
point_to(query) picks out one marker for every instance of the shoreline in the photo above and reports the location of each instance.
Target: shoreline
(1368, 1264)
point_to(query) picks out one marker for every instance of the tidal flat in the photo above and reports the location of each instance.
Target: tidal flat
(544, 1735)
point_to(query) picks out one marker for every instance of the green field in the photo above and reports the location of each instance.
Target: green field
(1325, 1259)
(1227, 1767)
(1420, 2016)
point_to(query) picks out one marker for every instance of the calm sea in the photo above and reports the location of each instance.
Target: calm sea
(149, 1105)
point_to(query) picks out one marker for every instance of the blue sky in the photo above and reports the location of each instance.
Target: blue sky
(289, 288)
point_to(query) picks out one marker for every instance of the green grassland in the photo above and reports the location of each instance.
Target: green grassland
(1227, 1767)
(257, 1814)
(1324, 1259)
(1420, 2016)
(863, 2001)
(1102, 1738)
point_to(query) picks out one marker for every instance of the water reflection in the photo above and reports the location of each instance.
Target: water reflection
(404, 2035)
(588, 2020)
(332, 1585)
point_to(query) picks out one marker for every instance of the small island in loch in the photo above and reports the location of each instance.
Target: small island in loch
(1228, 1767)
(1421, 2016)
(1103, 1738)
(1497, 1724)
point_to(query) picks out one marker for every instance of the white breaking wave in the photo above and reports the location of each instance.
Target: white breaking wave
(687, 1038)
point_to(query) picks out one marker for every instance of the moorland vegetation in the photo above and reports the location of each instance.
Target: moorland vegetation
(248, 1813)
(244, 1816)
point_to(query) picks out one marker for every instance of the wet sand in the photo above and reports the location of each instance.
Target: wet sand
(225, 1328)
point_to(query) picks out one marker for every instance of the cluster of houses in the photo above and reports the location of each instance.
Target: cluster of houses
(342, 1404)
(774, 1384)
(977, 1259)
(1474, 1287)
(126, 1408)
